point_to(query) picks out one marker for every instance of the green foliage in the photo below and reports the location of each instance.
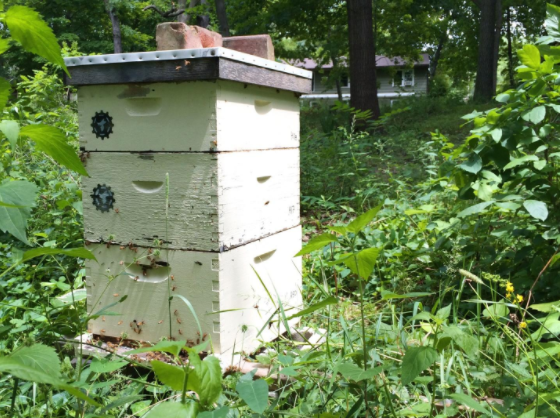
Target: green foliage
(415, 361)
(254, 393)
(27, 27)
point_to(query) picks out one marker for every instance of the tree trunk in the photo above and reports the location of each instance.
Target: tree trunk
(222, 17)
(363, 85)
(182, 5)
(510, 49)
(203, 20)
(437, 55)
(497, 40)
(485, 85)
(117, 41)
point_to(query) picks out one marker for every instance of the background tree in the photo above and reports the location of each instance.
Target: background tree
(117, 39)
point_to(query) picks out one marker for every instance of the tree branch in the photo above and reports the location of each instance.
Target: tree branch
(169, 13)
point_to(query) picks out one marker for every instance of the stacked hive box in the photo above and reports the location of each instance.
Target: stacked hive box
(193, 192)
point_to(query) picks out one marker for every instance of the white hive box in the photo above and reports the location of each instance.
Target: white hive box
(194, 152)
(197, 116)
(215, 201)
(213, 282)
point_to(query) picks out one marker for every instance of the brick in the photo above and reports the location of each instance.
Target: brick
(176, 35)
(208, 38)
(259, 45)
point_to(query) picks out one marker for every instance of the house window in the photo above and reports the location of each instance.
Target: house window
(403, 78)
(344, 81)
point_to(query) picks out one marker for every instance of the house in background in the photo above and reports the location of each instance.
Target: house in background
(395, 79)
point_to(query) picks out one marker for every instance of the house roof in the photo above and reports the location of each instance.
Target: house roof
(381, 60)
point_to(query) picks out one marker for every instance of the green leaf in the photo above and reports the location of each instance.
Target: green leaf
(4, 45)
(546, 307)
(254, 393)
(217, 413)
(530, 56)
(473, 164)
(120, 401)
(536, 209)
(172, 347)
(363, 220)
(552, 21)
(351, 371)
(387, 295)
(71, 252)
(521, 160)
(103, 365)
(362, 263)
(415, 361)
(206, 379)
(496, 310)
(52, 142)
(472, 210)
(14, 219)
(27, 27)
(10, 128)
(173, 410)
(70, 297)
(5, 89)
(39, 357)
(502, 98)
(470, 402)
(168, 374)
(468, 343)
(331, 300)
(316, 243)
(535, 115)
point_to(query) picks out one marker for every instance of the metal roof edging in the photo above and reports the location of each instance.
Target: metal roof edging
(186, 54)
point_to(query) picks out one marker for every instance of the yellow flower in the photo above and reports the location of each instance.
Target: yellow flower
(508, 295)
(523, 325)
(519, 298)
(509, 287)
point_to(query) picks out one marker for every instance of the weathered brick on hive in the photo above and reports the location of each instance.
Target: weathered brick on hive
(259, 45)
(208, 38)
(177, 35)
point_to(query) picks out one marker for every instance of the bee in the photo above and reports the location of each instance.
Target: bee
(176, 313)
(144, 272)
(108, 244)
(174, 288)
(121, 262)
(121, 247)
(186, 63)
(103, 318)
(135, 249)
(102, 331)
(160, 322)
(256, 306)
(136, 278)
(140, 323)
(172, 277)
(87, 242)
(180, 332)
(117, 210)
(119, 323)
(150, 250)
(116, 295)
(179, 320)
(178, 67)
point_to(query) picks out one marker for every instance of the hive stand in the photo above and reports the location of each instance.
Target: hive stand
(193, 157)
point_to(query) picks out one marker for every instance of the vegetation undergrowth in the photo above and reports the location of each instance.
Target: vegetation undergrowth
(429, 268)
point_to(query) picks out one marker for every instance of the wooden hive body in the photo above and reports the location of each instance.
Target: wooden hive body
(227, 282)
(193, 192)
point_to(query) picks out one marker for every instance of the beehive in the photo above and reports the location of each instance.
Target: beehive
(193, 192)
